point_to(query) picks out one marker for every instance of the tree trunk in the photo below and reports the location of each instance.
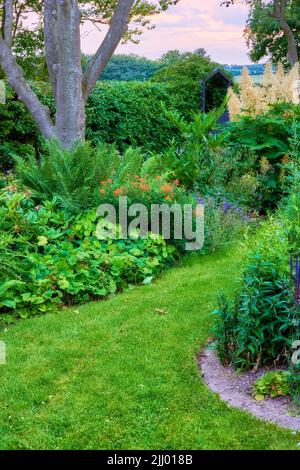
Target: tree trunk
(63, 57)
(279, 13)
(70, 106)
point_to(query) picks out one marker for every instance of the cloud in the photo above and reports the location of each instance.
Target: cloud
(189, 25)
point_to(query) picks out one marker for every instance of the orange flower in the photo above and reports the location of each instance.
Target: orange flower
(118, 192)
(176, 182)
(166, 188)
(105, 182)
(102, 191)
(144, 187)
(158, 177)
(167, 198)
(135, 183)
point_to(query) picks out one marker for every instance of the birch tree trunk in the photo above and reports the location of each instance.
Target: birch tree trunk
(63, 57)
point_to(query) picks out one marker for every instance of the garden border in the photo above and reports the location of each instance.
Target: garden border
(232, 388)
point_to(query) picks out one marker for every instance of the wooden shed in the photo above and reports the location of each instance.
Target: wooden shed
(214, 88)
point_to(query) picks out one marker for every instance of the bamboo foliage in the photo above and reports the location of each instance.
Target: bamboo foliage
(254, 99)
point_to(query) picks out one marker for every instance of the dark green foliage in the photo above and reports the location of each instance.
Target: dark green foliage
(183, 78)
(256, 328)
(192, 157)
(117, 112)
(268, 139)
(130, 68)
(130, 114)
(18, 132)
(264, 32)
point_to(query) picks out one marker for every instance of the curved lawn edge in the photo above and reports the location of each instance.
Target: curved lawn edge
(122, 374)
(227, 384)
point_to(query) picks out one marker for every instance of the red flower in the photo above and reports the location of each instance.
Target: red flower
(176, 182)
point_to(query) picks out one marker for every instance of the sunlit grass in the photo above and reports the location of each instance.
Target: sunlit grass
(122, 373)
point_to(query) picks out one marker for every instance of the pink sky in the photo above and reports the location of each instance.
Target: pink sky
(187, 26)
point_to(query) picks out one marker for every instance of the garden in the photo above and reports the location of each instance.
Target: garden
(113, 341)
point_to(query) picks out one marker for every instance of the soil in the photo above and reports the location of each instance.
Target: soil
(236, 390)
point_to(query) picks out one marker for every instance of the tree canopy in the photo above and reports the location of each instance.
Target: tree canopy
(273, 29)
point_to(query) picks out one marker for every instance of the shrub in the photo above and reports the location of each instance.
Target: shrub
(129, 114)
(193, 156)
(49, 258)
(272, 384)
(72, 176)
(256, 326)
(18, 133)
(224, 222)
(183, 78)
(268, 139)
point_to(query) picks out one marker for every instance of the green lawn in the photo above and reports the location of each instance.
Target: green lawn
(122, 374)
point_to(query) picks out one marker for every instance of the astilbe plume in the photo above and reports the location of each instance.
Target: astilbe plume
(276, 87)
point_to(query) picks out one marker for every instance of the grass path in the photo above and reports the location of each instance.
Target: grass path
(122, 374)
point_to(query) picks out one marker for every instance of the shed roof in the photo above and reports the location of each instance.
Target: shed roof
(218, 72)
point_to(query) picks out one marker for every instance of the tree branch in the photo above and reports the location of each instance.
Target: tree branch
(118, 26)
(16, 79)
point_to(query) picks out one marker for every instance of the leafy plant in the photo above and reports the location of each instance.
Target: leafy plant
(49, 258)
(121, 113)
(183, 77)
(257, 326)
(272, 384)
(268, 137)
(191, 158)
(72, 176)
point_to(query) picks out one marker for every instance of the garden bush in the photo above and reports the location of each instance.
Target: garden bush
(224, 222)
(193, 157)
(49, 258)
(183, 78)
(129, 114)
(257, 326)
(73, 176)
(266, 142)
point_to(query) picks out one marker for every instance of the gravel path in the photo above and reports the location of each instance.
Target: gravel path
(235, 389)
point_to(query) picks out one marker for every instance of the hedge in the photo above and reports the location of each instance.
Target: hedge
(127, 113)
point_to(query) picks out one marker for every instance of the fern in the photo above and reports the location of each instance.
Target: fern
(73, 176)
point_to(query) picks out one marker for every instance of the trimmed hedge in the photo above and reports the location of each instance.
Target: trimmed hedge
(127, 113)
(130, 113)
